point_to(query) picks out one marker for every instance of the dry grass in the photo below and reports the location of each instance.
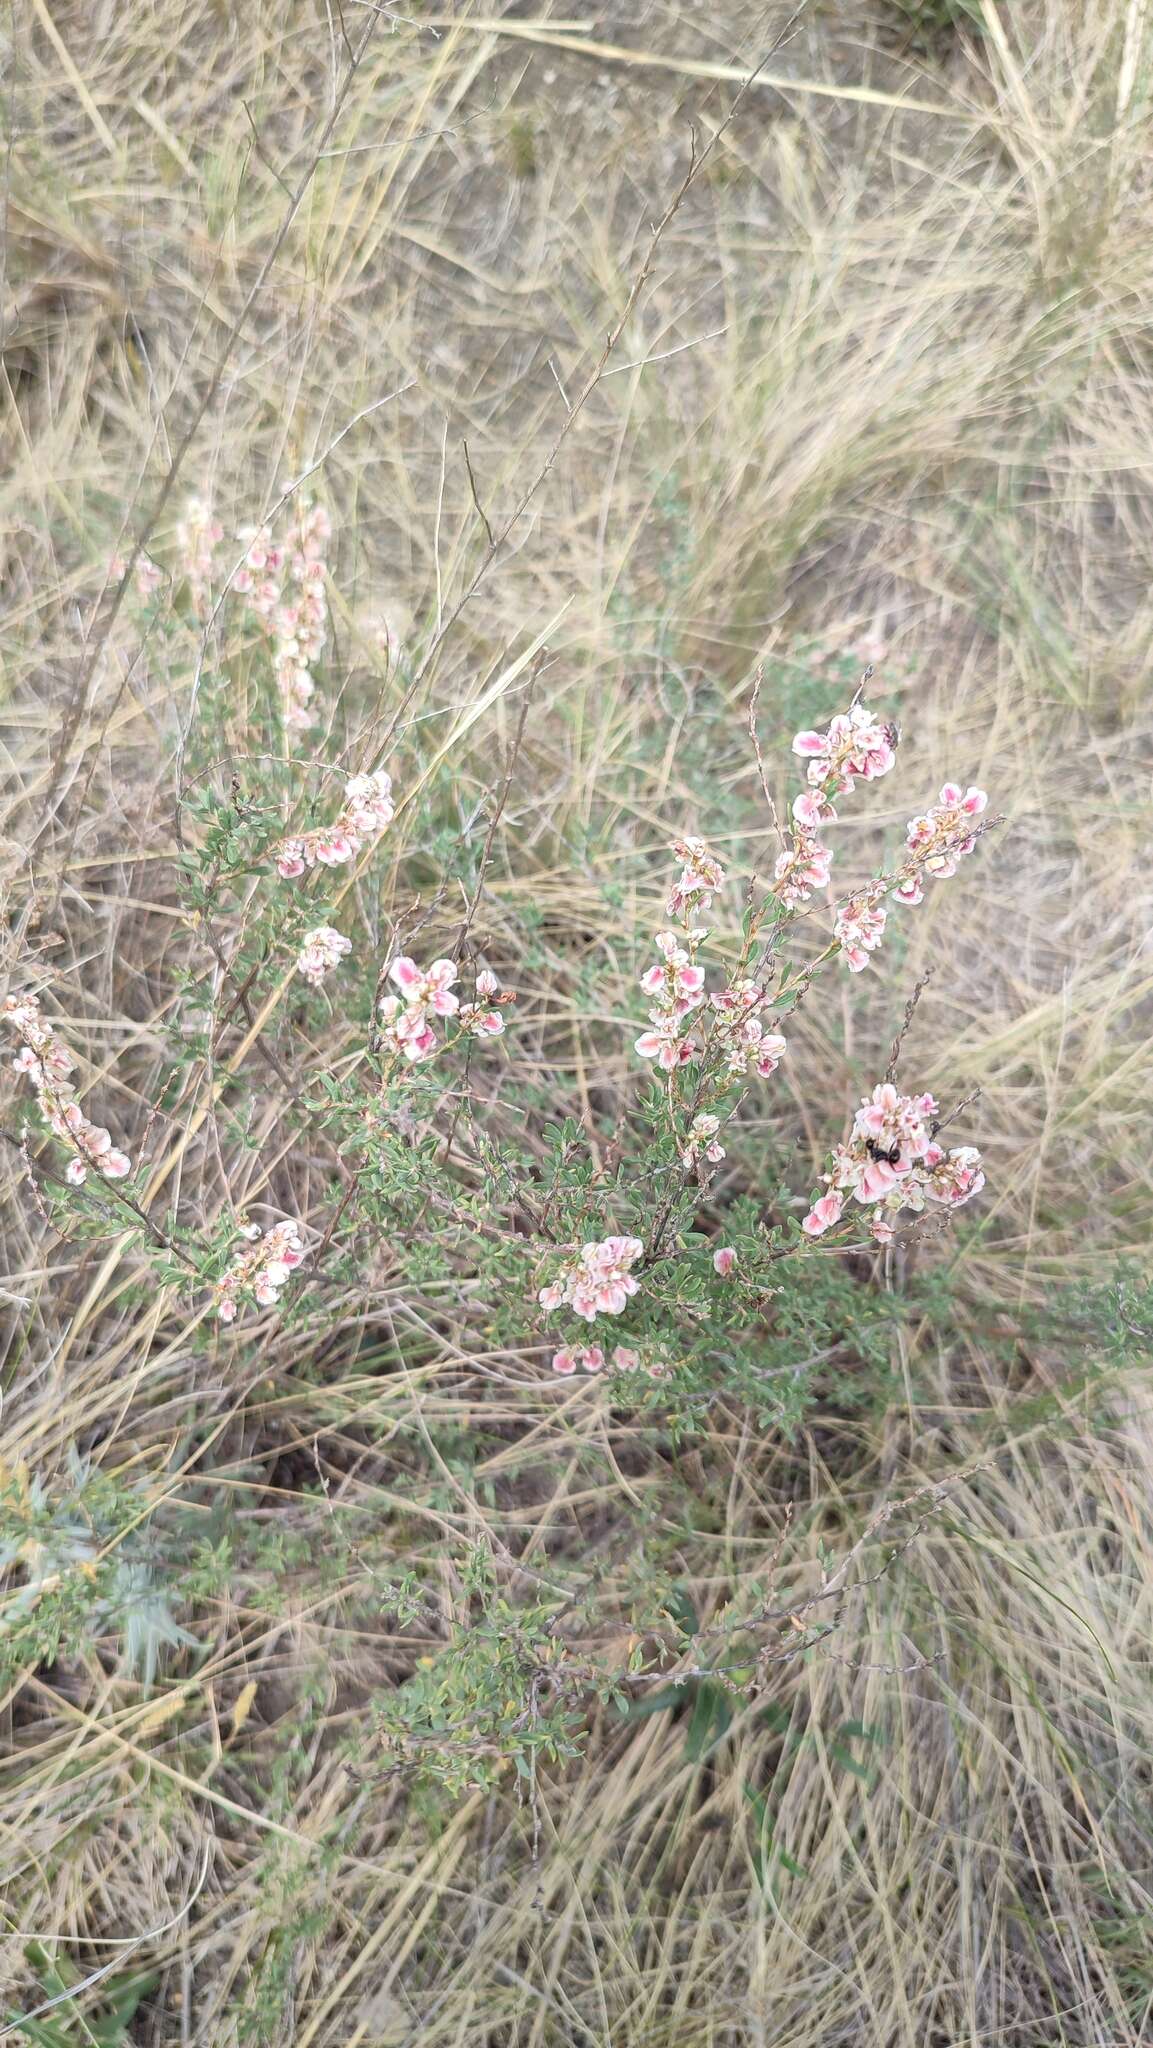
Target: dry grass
(892, 371)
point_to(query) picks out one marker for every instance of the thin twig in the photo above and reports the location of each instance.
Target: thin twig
(481, 513)
(910, 1012)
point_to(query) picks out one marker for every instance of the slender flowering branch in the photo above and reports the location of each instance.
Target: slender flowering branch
(366, 813)
(48, 1063)
(407, 1028)
(259, 1273)
(891, 1163)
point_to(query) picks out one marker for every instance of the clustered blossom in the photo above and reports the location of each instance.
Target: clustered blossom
(598, 1281)
(298, 625)
(406, 1020)
(321, 950)
(591, 1358)
(48, 1063)
(933, 840)
(677, 984)
(198, 535)
(367, 811)
(859, 926)
(892, 1163)
(805, 864)
(857, 744)
(703, 1142)
(258, 577)
(262, 1271)
(860, 746)
(700, 877)
(741, 1036)
(148, 575)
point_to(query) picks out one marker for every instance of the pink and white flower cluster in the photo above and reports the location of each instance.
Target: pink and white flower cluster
(859, 926)
(860, 746)
(938, 841)
(702, 1142)
(857, 745)
(48, 1063)
(744, 1042)
(198, 535)
(321, 950)
(259, 575)
(806, 863)
(427, 993)
(262, 1271)
(591, 1358)
(367, 811)
(148, 575)
(298, 624)
(892, 1163)
(700, 877)
(677, 984)
(599, 1281)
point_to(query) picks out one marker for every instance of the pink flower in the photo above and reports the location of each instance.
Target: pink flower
(367, 811)
(856, 744)
(700, 878)
(859, 926)
(429, 988)
(47, 1062)
(290, 859)
(564, 1361)
(665, 1045)
(321, 950)
(335, 847)
(407, 1031)
(625, 1359)
(724, 1261)
(703, 1140)
(742, 1038)
(939, 840)
(893, 1164)
(823, 1214)
(598, 1280)
(481, 1023)
(813, 744)
(369, 806)
(262, 1270)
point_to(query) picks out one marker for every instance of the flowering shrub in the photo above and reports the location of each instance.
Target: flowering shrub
(653, 1255)
(715, 1029)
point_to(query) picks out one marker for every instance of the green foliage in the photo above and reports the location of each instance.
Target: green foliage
(927, 25)
(106, 2019)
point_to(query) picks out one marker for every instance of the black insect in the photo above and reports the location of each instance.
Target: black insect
(891, 1154)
